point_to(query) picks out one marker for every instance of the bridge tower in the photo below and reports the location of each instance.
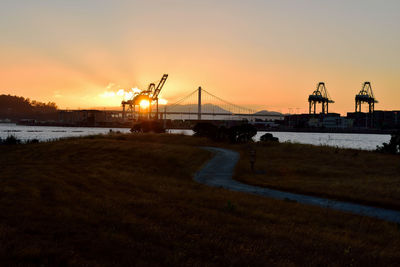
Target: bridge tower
(199, 105)
(366, 96)
(320, 95)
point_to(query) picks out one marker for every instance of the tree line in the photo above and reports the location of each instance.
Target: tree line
(18, 107)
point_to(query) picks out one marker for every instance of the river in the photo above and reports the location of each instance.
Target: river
(46, 133)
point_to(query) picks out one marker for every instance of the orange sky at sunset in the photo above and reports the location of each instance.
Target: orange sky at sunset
(260, 54)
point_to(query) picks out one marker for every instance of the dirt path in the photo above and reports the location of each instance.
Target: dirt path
(218, 172)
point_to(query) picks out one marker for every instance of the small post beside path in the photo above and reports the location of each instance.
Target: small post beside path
(252, 154)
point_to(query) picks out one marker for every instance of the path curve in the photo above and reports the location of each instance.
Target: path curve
(218, 172)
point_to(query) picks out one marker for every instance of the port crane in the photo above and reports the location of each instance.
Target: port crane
(320, 95)
(366, 96)
(150, 95)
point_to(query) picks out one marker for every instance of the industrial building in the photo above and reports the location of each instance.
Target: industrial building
(90, 117)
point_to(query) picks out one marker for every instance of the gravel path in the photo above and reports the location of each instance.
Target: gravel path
(218, 172)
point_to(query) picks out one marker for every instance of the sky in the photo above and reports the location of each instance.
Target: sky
(257, 53)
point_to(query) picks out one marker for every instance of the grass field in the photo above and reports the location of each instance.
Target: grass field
(131, 200)
(345, 174)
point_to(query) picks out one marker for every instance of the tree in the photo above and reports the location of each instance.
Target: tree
(14, 107)
(242, 133)
(393, 147)
(236, 134)
(268, 137)
(205, 129)
(148, 126)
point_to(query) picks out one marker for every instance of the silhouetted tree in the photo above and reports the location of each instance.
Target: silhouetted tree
(15, 107)
(205, 129)
(10, 140)
(393, 147)
(148, 126)
(235, 134)
(268, 138)
(242, 133)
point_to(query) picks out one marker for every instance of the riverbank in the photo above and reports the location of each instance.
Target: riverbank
(188, 125)
(331, 130)
(131, 200)
(45, 133)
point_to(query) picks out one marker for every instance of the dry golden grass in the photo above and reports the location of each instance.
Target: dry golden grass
(131, 200)
(345, 174)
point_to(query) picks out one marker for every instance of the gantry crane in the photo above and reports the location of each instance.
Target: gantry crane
(366, 96)
(150, 95)
(320, 95)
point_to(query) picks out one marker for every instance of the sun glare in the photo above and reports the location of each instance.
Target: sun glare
(144, 104)
(162, 101)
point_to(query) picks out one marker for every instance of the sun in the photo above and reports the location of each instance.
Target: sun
(144, 104)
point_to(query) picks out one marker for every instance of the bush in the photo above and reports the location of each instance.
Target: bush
(235, 134)
(11, 140)
(242, 133)
(32, 141)
(268, 138)
(148, 126)
(205, 129)
(393, 147)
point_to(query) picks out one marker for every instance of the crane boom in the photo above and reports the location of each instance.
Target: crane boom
(151, 88)
(160, 85)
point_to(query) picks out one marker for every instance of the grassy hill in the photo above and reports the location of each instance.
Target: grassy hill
(131, 200)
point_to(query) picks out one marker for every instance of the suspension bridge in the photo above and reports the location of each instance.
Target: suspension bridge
(203, 105)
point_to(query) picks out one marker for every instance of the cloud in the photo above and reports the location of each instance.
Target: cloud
(120, 93)
(162, 101)
(136, 90)
(57, 94)
(107, 94)
(109, 86)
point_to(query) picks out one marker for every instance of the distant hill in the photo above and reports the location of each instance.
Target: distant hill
(206, 108)
(266, 112)
(18, 107)
(210, 108)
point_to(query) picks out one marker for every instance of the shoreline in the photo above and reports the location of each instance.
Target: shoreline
(352, 140)
(259, 129)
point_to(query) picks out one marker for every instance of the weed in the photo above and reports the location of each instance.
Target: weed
(121, 137)
(11, 140)
(32, 141)
(230, 207)
(290, 200)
